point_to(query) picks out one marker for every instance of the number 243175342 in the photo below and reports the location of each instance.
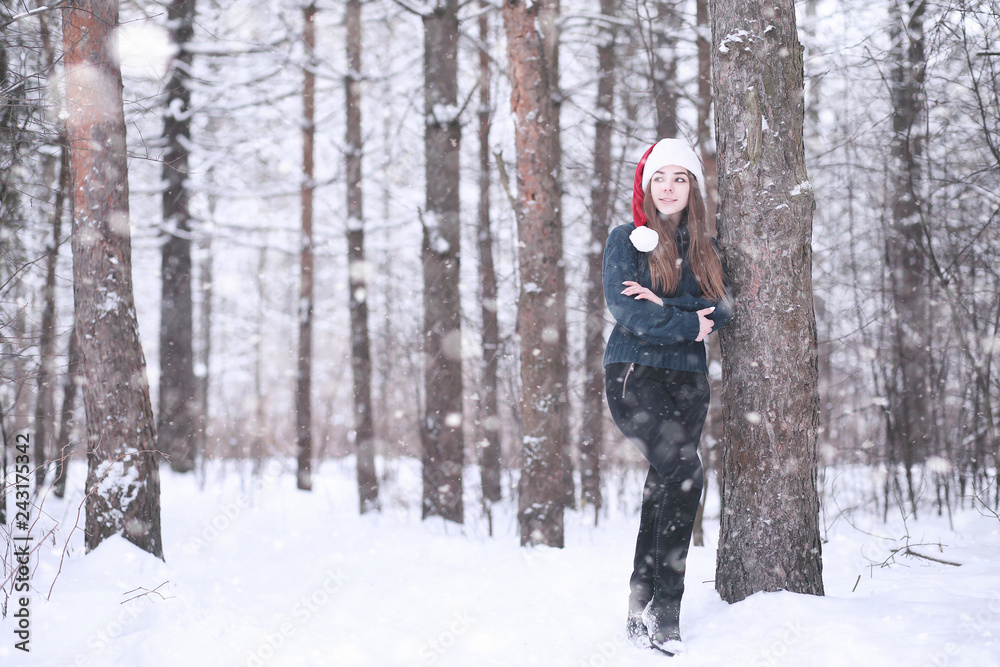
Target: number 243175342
(22, 468)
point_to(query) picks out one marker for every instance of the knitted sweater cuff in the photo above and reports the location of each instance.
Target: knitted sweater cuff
(690, 328)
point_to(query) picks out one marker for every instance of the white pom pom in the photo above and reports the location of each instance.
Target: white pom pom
(644, 239)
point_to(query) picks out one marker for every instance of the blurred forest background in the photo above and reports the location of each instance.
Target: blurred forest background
(907, 384)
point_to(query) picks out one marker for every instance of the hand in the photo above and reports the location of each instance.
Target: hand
(633, 288)
(705, 323)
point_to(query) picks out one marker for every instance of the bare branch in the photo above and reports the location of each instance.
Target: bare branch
(907, 551)
(146, 593)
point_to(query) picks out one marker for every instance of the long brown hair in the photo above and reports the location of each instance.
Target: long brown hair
(664, 261)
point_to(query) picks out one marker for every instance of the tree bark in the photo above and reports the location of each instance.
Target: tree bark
(769, 535)
(541, 489)
(15, 108)
(663, 67)
(549, 29)
(909, 429)
(303, 383)
(63, 446)
(489, 450)
(442, 426)
(592, 428)
(45, 399)
(361, 364)
(123, 482)
(177, 417)
(706, 148)
(203, 377)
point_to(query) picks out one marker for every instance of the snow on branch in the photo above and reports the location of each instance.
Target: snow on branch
(590, 19)
(445, 114)
(11, 19)
(223, 50)
(424, 8)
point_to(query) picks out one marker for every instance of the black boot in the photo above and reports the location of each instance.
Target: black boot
(675, 514)
(663, 622)
(641, 583)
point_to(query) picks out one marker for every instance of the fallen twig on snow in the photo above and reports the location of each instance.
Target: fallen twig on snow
(907, 551)
(146, 593)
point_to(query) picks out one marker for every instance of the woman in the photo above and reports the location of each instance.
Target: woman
(665, 286)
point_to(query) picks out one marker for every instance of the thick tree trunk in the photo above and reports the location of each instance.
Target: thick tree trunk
(548, 30)
(361, 364)
(769, 535)
(123, 482)
(909, 429)
(177, 417)
(441, 430)
(303, 383)
(489, 449)
(541, 489)
(592, 428)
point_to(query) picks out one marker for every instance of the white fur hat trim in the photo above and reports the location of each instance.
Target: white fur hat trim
(668, 152)
(644, 239)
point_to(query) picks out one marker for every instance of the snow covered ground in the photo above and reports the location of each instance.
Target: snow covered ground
(257, 573)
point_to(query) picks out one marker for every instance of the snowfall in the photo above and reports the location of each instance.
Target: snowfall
(258, 573)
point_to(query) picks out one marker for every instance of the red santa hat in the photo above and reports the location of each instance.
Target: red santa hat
(663, 153)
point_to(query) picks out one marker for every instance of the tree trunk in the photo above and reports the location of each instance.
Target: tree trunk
(909, 429)
(592, 429)
(205, 316)
(361, 364)
(663, 68)
(769, 535)
(442, 425)
(207, 438)
(4, 468)
(706, 148)
(177, 416)
(489, 450)
(45, 399)
(63, 446)
(303, 384)
(541, 489)
(548, 25)
(258, 447)
(123, 482)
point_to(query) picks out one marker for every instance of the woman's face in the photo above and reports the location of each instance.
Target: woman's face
(670, 188)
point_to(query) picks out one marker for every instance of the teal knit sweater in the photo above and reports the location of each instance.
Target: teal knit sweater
(648, 334)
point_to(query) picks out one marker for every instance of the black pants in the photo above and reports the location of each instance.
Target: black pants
(663, 412)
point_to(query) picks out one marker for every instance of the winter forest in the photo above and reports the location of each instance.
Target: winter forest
(301, 329)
